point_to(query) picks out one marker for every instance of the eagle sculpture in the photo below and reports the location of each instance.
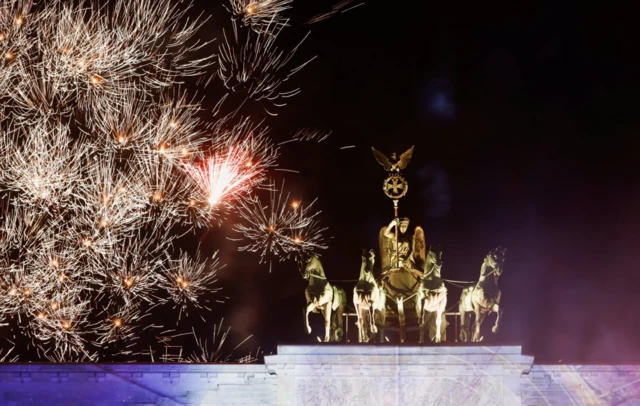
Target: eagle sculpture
(392, 164)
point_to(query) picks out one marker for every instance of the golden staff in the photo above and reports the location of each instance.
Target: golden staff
(395, 186)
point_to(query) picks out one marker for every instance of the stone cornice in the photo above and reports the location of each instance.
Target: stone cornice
(409, 360)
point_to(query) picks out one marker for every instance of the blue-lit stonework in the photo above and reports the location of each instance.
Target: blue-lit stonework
(330, 375)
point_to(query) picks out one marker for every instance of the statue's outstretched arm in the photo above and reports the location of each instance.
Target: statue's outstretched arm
(387, 231)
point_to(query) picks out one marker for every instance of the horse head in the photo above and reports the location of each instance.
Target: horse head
(310, 265)
(368, 259)
(500, 254)
(434, 260)
(495, 260)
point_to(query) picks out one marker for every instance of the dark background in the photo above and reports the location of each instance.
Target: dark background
(525, 129)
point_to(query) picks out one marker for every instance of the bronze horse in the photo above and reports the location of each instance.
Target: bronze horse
(368, 299)
(322, 297)
(484, 297)
(432, 296)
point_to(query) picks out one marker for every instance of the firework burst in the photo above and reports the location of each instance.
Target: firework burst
(83, 56)
(238, 164)
(282, 229)
(44, 165)
(62, 322)
(254, 68)
(120, 326)
(214, 351)
(107, 159)
(261, 15)
(189, 281)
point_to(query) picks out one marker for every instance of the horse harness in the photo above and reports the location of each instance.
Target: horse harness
(317, 276)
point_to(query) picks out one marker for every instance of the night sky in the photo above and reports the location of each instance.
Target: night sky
(526, 135)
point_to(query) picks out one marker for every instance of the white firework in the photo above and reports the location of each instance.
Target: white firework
(216, 351)
(120, 326)
(261, 15)
(83, 56)
(107, 210)
(63, 324)
(226, 176)
(106, 161)
(282, 229)
(341, 7)
(308, 134)
(131, 271)
(43, 164)
(189, 281)
(254, 67)
(93, 134)
(169, 127)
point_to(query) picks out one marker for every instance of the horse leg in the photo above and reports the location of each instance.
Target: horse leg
(327, 321)
(332, 327)
(382, 306)
(421, 318)
(439, 314)
(374, 299)
(425, 328)
(359, 310)
(438, 325)
(364, 327)
(372, 318)
(383, 320)
(376, 321)
(365, 324)
(480, 315)
(465, 320)
(496, 308)
(339, 332)
(358, 323)
(308, 309)
(401, 319)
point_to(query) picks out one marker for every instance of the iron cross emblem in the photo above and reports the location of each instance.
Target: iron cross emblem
(395, 186)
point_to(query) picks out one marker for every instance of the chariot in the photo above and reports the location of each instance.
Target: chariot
(402, 279)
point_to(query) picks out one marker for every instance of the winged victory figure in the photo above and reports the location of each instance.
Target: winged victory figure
(411, 246)
(393, 164)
